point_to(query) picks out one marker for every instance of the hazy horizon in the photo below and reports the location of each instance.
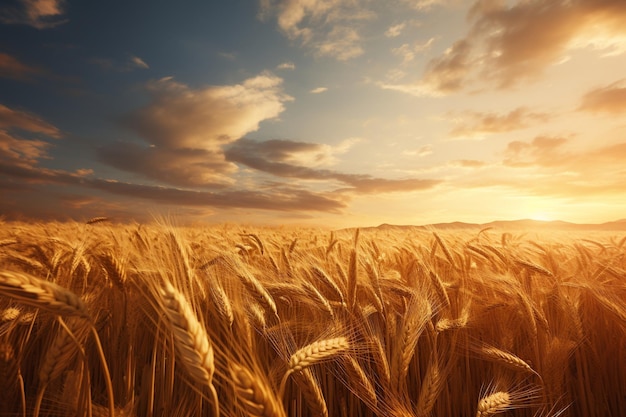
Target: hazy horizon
(335, 113)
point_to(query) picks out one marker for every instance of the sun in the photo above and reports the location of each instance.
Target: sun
(544, 217)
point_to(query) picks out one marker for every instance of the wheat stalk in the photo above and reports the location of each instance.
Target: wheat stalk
(9, 371)
(365, 390)
(312, 392)
(319, 273)
(255, 287)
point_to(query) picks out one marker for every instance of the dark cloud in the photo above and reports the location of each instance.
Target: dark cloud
(271, 157)
(19, 151)
(609, 99)
(12, 68)
(181, 167)
(281, 198)
(40, 14)
(20, 171)
(130, 64)
(16, 119)
(278, 199)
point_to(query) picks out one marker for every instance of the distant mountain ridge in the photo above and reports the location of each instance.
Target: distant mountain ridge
(524, 224)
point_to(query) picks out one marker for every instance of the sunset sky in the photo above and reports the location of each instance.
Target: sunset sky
(315, 112)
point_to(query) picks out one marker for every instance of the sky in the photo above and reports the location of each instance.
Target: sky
(334, 113)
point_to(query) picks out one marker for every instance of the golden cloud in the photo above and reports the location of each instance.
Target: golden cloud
(470, 123)
(513, 43)
(609, 99)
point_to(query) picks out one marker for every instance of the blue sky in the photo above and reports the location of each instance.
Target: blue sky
(320, 112)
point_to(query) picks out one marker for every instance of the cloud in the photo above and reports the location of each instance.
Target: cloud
(329, 27)
(468, 163)
(511, 43)
(181, 167)
(609, 99)
(277, 198)
(22, 176)
(16, 119)
(286, 66)
(275, 157)
(342, 43)
(554, 169)
(422, 151)
(471, 124)
(184, 129)
(21, 152)
(138, 62)
(206, 118)
(318, 90)
(542, 151)
(40, 14)
(408, 52)
(130, 64)
(424, 4)
(14, 69)
(395, 30)
(446, 73)
(443, 75)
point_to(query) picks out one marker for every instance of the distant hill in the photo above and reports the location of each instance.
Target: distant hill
(525, 224)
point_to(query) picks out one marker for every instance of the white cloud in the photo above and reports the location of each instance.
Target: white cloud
(395, 30)
(329, 27)
(318, 90)
(286, 66)
(138, 62)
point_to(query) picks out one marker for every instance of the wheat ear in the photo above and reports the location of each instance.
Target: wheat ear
(431, 386)
(507, 359)
(495, 403)
(42, 294)
(60, 353)
(311, 354)
(191, 341)
(365, 390)
(255, 396)
(417, 315)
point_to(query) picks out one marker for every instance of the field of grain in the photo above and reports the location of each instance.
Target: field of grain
(156, 320)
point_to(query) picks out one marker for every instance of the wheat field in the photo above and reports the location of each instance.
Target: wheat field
(103, 319)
